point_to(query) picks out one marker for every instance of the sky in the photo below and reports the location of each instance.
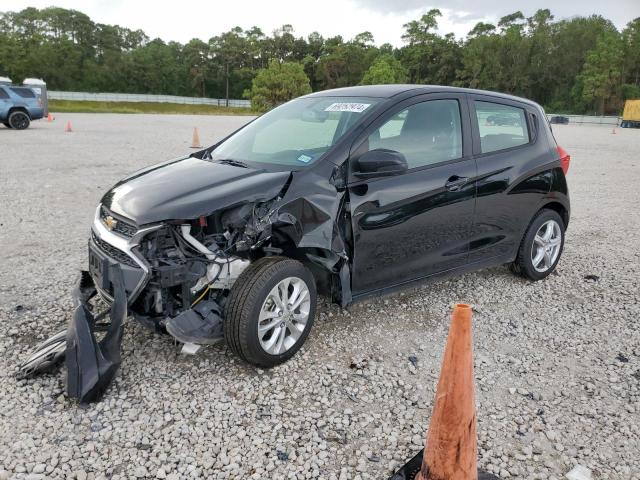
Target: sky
(187, 19)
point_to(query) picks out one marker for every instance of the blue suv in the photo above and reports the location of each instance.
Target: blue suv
(18, 106)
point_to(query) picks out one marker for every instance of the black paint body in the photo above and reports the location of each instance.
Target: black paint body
(389, 231)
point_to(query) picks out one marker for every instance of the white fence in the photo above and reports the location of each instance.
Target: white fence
(602, 120)
(134, 97)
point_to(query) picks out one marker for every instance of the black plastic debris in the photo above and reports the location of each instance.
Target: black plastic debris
(622, 358)
(46, 357)
(92, 364)
(414, 360)
(18, 308)
(592, 278)
(201, 324)
(412, 467)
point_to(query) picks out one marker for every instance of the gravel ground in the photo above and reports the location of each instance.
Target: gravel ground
(557, 362)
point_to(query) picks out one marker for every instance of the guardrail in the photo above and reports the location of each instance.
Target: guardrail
(135, 97)
(598, 120)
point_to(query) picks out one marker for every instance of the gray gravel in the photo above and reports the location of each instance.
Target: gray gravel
(557, 362)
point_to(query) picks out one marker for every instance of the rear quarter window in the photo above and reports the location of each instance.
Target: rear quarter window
(3, 94)
(24, 92)
(500, 126)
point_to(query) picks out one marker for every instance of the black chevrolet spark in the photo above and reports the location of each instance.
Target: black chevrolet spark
(349, 193)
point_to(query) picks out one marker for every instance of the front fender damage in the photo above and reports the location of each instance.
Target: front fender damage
(91, 363)
(318, 223)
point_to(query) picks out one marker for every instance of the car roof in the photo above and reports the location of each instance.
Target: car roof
(389, 91)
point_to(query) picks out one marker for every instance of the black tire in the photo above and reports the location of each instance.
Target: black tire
(19, 120)
(523, 264)
(6, 124)
(246, 299)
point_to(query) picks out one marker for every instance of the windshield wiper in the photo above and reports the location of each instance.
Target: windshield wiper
(235, 163)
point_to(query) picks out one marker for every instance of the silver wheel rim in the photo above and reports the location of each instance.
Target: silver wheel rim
(284, 315)
(546, 246)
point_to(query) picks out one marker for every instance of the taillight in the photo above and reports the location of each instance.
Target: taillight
(565, 159)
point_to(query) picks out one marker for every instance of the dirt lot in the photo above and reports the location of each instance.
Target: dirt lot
(557, 362)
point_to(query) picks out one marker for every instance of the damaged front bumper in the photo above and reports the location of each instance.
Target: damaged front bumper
(91, 363)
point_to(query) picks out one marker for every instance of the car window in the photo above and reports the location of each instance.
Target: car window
(287, 134)
(297, 133)
(425, 133)
(24, 92)
(500, 126)
(3, 94)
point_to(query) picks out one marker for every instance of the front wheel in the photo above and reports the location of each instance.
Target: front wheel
(19, 120)
(541, 247)
(270, 311)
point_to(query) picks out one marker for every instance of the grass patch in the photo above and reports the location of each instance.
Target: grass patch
(77, 106)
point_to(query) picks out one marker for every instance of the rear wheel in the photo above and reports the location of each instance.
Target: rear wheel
(541, 247)
(270, 311)
(19, 120)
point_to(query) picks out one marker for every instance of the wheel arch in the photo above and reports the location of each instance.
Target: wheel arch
(559, 208)
(18, 109)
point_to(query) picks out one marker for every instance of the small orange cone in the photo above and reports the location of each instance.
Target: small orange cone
(68, 127)
(195, 141)
(50, 118)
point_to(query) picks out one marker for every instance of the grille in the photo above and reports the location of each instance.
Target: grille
(121, 227)
(113, 252)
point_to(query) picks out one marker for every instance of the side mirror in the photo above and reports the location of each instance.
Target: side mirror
(380, 163)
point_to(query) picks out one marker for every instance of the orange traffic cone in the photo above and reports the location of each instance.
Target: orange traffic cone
(195, 141)
(451, 450)
(451, 447)
(50, 118)
(68, 127)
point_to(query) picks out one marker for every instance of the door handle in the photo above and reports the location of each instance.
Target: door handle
(455, 183)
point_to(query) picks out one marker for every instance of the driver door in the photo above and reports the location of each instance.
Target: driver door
(418, 223)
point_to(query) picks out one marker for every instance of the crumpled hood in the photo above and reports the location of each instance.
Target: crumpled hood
(188, 188)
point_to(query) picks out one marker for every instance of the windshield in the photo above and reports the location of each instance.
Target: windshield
(296, 133)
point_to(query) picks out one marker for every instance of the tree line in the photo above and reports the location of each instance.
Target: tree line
(580, 65)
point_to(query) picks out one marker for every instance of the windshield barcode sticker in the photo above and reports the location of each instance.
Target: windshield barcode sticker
(347, 107)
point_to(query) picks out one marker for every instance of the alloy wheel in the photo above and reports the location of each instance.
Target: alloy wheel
(19, 121)
(284, 315)
(546, 246)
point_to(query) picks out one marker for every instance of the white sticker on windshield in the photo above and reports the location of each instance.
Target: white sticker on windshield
(347, 107)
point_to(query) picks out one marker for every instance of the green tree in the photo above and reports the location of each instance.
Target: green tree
(631, 40)
(278, 83)
(603, 72)
(229, 50)
(385, 69)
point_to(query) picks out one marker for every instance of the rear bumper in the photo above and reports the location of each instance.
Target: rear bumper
(36, 113)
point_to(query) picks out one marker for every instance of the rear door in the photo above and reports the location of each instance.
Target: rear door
(415, 224)
(512, 177)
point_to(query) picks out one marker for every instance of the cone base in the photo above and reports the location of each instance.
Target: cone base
(411, 469)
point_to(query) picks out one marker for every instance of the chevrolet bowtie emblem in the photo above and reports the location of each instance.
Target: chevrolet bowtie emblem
(110, 222)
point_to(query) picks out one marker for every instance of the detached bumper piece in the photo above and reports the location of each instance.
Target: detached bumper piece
(46, 357)
(201, 324)
(91, 364)
(411, 469)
